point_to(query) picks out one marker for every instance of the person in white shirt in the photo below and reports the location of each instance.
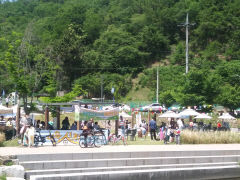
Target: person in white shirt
(30, 135)
(24, 124)
(180, 124)
(7, 101)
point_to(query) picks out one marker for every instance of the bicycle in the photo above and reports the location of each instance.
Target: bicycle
(99, 138)
(113, 139)
(38, 138)
(86, 140)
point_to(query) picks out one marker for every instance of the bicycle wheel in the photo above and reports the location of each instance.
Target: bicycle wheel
(104, 140)
(90, 140)
(82, 142)
(98, 140)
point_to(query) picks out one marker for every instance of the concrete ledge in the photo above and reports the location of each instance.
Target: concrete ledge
(123, 168)
(62, 164)
(108, 155)
(153, 174)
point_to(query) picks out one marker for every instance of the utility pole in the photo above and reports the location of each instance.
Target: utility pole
(187, 25)
(157, 86)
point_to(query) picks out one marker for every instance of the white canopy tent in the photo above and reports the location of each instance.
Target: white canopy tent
(203, 116)
(170, 114)
(226, 116)
(189, 112)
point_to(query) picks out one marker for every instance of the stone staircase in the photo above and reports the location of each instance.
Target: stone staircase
(217, 164)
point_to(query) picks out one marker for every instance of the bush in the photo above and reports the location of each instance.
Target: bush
(2, 139)
(213, 137)
(3, 177)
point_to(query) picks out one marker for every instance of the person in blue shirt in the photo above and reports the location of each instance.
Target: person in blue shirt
(153, 128)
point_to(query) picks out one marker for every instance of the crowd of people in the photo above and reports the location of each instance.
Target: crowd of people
(167, 133)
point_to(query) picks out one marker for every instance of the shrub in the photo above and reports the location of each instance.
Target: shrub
(2, 139)
(3, 177)
(212, 137)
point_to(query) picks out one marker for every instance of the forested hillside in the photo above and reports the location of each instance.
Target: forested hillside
(71, 45)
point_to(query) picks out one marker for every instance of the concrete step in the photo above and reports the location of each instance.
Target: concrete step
(123, 168)
(108, 155)
(216, 172)
(62, 164)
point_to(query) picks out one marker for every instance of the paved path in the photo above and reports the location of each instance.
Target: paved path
(77, 149)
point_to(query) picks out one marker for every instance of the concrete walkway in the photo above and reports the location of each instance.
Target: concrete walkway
(109, 148)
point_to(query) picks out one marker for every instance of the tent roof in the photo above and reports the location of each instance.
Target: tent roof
(189, 112)
(170, 114)
(226, 116)
(203, 116)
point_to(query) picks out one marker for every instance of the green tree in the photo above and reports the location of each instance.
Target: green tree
(229, 97)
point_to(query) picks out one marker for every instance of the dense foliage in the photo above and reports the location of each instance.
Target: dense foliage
(52, 45)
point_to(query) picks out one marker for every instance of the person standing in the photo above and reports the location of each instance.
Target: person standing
(219, 125)
(122, 127)
(153, 127)
(177, 135)
(7, 101)
(108, 127)
(65, 124)
(24, 126)
(167, 134)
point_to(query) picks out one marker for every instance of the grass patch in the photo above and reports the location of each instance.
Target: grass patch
(3, 177)
(193, 137)
(11, 143)
(142, 141)
(212, 137)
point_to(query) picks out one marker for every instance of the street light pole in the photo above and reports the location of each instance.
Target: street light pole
(187, 24)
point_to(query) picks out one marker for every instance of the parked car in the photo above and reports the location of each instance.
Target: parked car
(155, 107)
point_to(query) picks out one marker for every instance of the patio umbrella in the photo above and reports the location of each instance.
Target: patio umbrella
(170, 114)
(226, 116)
(189, 112)
(203, 116)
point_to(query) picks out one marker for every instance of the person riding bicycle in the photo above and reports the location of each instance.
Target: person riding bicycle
(85, 132)
(90, 124)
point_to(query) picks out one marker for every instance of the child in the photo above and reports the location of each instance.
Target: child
(177, 135)
(30, 135)
(167, 134)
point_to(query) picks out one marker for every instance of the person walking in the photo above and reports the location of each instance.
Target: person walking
(153, 127)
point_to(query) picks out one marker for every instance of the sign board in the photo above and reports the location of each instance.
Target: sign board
(65, 137)
(86, 114)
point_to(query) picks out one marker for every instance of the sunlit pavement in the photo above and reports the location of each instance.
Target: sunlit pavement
(109, 148)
